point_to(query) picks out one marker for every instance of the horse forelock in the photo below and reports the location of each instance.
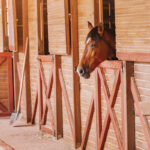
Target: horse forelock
(93, 35)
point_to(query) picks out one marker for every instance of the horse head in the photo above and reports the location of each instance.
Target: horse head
(99, 46)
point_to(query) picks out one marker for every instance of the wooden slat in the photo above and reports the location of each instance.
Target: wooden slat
(128, 103)
(46, 58)
(96, 12)
(144, 122)
(47, 130)
(19, 24)
(2, 59)
(88, 125)
(3, 108)
(98, 105)
(4, 28)
(4, 114)
(5, 146)
(25, 21)
(76, 80)
(34, 108)
(10, 84)
(40, 96)
(58, 98)
(5, 54)
(40, 26)
(67, 104)
(134, 56)
(111, 64)
(12, 25)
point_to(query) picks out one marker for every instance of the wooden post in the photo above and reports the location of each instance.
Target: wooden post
(27, 68)
(10, 84)
(128, 103)
(4, 24)
(58, 99)
(97, 100)
(75, 62)
(40, 96)
(96, 12)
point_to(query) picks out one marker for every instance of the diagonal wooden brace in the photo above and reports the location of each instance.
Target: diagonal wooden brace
(110, 116)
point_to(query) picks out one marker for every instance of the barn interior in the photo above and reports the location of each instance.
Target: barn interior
(45, 105)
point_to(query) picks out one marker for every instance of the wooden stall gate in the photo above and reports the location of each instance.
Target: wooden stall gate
(56, 80)
(6, 56)
(96, 106)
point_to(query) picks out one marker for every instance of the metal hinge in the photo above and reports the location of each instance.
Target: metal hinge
(123, 66)
(53, 58)
(55, 133)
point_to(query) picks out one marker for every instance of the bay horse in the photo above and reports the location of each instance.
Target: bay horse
(99, 46)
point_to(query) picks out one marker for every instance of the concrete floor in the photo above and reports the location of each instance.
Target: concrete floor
(28, 138)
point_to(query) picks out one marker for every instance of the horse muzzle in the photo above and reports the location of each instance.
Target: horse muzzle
(83, 72)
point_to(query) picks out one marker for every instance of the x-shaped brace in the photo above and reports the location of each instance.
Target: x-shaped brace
(110, 116)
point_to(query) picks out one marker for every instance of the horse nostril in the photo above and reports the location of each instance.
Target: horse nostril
(81, 71)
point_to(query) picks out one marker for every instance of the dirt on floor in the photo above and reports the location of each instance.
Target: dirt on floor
(28, 138)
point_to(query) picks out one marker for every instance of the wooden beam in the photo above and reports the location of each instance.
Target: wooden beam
(58, 98)
(4, 114)
(27, 68)
(76, 81)
(134, 56)
(40, 95)
(128, 103)
(96, 12)
(16, 79)
(47, 130)
(4, 26)
(67, 103)
(88, 125)
(5, 146)
(25, 21)
(3, 108)
(12, 25)
(46, 58)
(5, 54)
(10, 84)
(143, 119)
(98, 105)
(34, 108)
(2, 59)
(111, 64)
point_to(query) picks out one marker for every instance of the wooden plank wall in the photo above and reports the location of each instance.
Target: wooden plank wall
(1, 27)
(133, 35)
(4, 84)
(132, 26)
(57, 22)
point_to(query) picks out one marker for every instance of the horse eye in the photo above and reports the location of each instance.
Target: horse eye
(93, 45)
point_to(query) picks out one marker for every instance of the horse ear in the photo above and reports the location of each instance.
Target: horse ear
(100, 29)
(90, 26)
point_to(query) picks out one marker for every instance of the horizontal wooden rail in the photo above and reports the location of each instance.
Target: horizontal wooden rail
(134, 56)
(45, 58)
(111, 64)
(5, 54)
